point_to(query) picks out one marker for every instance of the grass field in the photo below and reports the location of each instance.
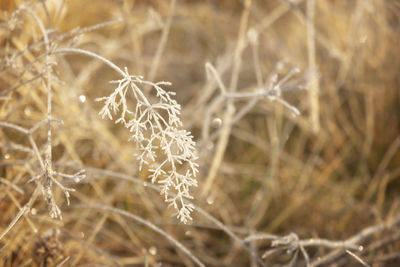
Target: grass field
(199, 133)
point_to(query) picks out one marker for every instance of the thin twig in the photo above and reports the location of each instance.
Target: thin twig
(162, 43)
(357, 258)
(26, 208)
(146, 223)
(314, 88)
(219, 224)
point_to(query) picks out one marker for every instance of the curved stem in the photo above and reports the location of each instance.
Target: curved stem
(90, 54)
(148, 224)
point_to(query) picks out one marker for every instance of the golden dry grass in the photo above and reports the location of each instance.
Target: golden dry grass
(277, 174)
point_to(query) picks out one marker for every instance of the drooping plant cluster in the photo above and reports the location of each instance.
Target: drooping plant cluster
(156, 127)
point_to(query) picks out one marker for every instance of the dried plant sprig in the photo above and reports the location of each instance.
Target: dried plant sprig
(155, 127)
(271, 90)
(46, 177)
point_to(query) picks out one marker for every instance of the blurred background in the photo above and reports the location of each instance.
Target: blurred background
(328, 173)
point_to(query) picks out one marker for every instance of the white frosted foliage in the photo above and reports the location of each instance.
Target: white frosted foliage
(163, 146)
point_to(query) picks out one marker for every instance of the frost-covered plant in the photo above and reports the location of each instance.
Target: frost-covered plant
(155, 127)
(156, 130)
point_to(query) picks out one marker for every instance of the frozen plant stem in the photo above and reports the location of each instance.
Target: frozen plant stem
(314, 89)
(153, 227)
(230, 110)
(23, 210)
(155, 127)
(48, 178)
(161, 44)
(271, 91)
(115, 175)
